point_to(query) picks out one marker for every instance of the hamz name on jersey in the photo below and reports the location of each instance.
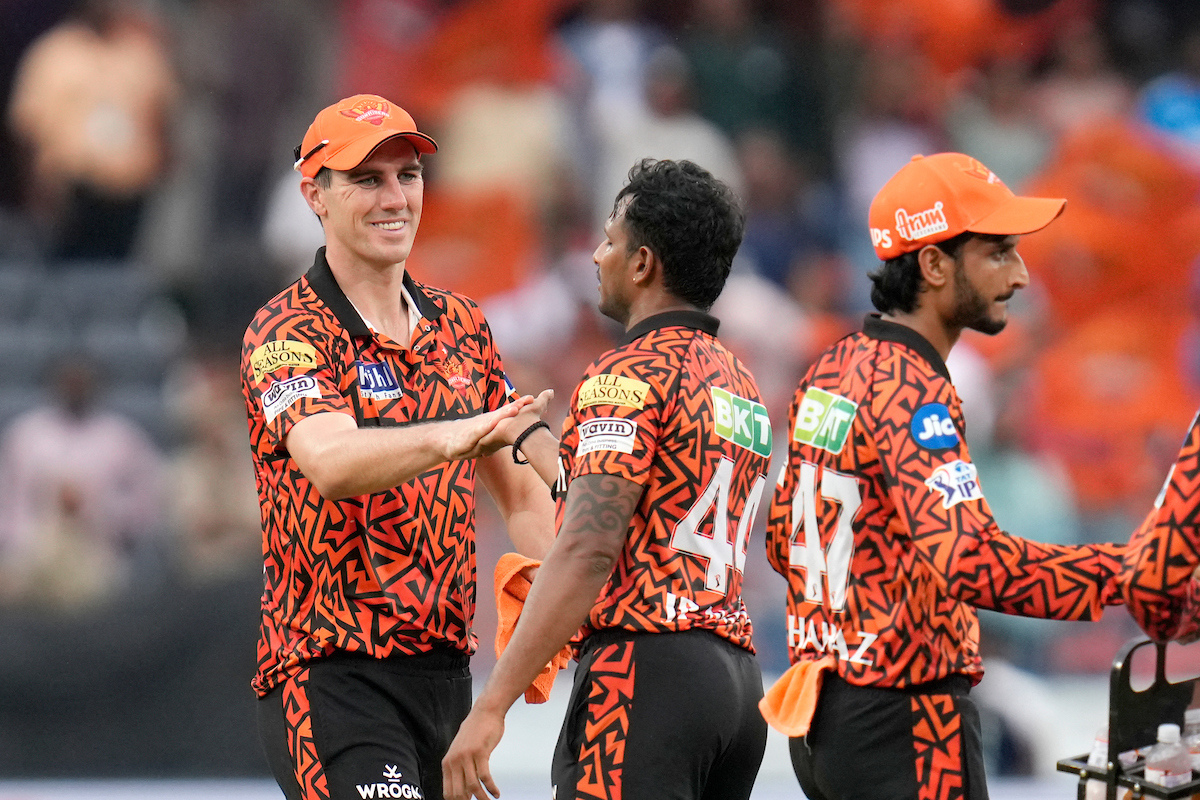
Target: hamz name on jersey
(741, 421)
(805, 634)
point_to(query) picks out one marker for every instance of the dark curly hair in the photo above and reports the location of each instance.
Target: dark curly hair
(690, 220)
(896, 284)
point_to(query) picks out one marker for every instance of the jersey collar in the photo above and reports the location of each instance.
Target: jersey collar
(683, 319)
(878, 328)
(320, 278)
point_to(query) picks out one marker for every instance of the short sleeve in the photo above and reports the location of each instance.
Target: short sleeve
(287, 379)
(618, 413)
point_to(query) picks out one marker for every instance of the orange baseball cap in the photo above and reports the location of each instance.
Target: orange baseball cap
(934, 199)
(345, 133)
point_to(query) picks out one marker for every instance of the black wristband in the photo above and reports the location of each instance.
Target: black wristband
(516, 445)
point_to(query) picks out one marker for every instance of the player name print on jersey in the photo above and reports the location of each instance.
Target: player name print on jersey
(824, 419)
(614, 390)
(741, 421)
(282, 353)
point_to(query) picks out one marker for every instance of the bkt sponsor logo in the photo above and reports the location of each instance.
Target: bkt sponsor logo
(394, 787)
(824, 420)
(934, 428)
(741, 421)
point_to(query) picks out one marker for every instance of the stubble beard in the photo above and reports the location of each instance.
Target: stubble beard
(971, 308)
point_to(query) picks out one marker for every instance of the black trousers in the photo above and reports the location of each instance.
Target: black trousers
(870, 743)
(350, 727)
(661, 715)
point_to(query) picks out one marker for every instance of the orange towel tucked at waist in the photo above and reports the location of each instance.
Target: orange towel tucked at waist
(789, 705)
(511, 590)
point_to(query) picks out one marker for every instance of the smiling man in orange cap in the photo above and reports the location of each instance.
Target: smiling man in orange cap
(878, 520)
(368, 516)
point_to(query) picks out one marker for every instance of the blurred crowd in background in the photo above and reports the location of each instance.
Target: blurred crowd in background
(148, 207)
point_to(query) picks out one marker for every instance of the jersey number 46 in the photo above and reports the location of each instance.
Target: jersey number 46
(721, 551)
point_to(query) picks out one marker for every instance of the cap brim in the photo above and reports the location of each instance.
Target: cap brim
(1020, 215)
(359, 150)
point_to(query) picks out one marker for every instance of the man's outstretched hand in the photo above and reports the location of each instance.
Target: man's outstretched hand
(465, 770)
(476, 436)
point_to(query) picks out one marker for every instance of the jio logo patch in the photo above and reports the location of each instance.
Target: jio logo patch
(933, 427)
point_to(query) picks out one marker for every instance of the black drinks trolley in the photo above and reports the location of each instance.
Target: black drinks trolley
(1133, 720)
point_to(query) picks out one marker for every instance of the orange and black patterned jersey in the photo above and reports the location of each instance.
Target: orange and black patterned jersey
(673, 410)
(386, 573)
(880, 526)
(1165, 550)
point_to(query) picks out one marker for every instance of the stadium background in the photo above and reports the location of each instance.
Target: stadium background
(127, 631)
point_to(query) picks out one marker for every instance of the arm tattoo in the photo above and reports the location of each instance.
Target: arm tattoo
(600, 506)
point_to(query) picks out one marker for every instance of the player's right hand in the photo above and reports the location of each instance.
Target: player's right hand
(468, 438)
(465, 769)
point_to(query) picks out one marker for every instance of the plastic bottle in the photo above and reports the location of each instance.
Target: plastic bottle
(1168, 763)
(1191, 736)
(1096, 789)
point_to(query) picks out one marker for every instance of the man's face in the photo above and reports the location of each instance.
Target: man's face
(371, 212)
(988, 272)
(612, 259)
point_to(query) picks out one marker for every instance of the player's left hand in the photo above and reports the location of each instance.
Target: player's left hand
(465, 770)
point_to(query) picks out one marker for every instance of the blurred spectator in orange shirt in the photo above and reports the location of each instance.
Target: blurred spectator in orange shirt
(1130, 231)
(1109, 402)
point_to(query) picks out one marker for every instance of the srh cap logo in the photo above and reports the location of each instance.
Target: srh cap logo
(369, 109)
(345, 134)
(976, 169)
